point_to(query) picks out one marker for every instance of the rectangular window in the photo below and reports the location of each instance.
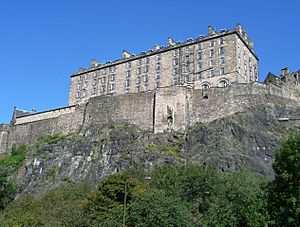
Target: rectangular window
(138, 89)
(221, 50)
(222, 60)
(212, 43)
(199, 66)
(102, 88)
(199, 46)
(146, 69)
(245, 67)
(128, 73)
(139, 62)
(186, 50)
(175, 61)
(211, 73)
(127, 84)
(158, 57)
(187, 59)
(186, 69)
(199, 76)
(146, 78)
(176, 52)
(222, 71)
(158, 66)
(138, 80)
(138, 70)
(157, 76)
(221, 41)
(146, 60)
(187, 78)
(211, 63)
(176, 71)
(112, 87)
(211, 53)
(103, 71)
(157, 84)
(112, 77)
(78, 95)
(199, 55)
(86, 77)
(128, 65)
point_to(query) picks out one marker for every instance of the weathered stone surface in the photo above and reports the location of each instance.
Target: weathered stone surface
(243, 140)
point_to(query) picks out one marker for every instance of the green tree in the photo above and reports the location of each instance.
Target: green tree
(7, 188)
(284, 192)
(154, 208)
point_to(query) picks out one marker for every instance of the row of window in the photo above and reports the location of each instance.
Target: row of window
(222, 83)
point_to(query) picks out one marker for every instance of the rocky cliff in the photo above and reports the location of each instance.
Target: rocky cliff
(247, 139)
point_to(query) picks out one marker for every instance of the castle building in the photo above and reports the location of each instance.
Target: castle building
(216, 60)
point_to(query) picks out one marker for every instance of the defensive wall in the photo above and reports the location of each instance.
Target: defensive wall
(167, 108)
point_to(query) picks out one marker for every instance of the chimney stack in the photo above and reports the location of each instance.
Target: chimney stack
(284, 71)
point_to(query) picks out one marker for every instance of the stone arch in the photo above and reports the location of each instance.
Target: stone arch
(205, 85)
(223, 83)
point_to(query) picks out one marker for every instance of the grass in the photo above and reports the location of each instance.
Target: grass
(167, 149)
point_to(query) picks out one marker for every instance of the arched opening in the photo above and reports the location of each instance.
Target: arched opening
(223, 83)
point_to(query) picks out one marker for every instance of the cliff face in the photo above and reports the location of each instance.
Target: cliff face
(247, 139)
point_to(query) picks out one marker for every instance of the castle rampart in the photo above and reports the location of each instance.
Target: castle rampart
(168, 108)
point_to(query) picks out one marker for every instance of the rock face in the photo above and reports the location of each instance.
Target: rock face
(247, 139)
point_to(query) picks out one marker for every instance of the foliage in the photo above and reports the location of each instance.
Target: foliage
(15, 159)
(284, 193)
(154, 208)
(7, 188)
(63, 206)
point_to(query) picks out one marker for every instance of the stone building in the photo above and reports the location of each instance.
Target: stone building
(286, 78)
(216, 60)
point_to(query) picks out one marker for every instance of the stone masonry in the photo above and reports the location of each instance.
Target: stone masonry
(168, 88)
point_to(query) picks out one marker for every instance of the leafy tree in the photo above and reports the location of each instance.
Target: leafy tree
(7, 189)
(239, 200)
(154, 208)
(284, 193)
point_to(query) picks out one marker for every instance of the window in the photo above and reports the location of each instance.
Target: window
(138, 70)
(186, 50)
(205, 86)
(112, 77)
(84, 84)
(146, 60)
(128, 73)
(211, 73)
(112, 69)
(158, 66)
(187, 59)
(94, 90)
(128, 65)
(212, 43)
(146, 87)
(222, 71)
(176, 71)
(175, 61)
(250, 62)
(187, 78)
(222, 60)
(176, 52)
(103, 80)
(86, 77)
(199, 76)
(146, 78)
(245, 67)
(158, 76)
(146, 69)
(223, 83)
(83, 93)
(221, 50)
(199, 66)
(78, 95)
(199, 55)
(211, 52)
(94, 81)
(158, 57)
(157, 84)
(138, 89)
(138, 80)
(186, 69)
(102, 89)
(211, 63)
(199, 46)
(127, 84)
(112, 87)
(139, 62)
(245, 58)
(221, 41)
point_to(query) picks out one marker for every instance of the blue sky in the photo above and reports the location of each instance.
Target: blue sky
(43, 42)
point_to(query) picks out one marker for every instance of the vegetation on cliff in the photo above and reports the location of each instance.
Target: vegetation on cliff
(171, 195)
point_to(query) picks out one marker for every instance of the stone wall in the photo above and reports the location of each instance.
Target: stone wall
(4, 129)
(132, 108)
(28, 132)
(168, 108)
